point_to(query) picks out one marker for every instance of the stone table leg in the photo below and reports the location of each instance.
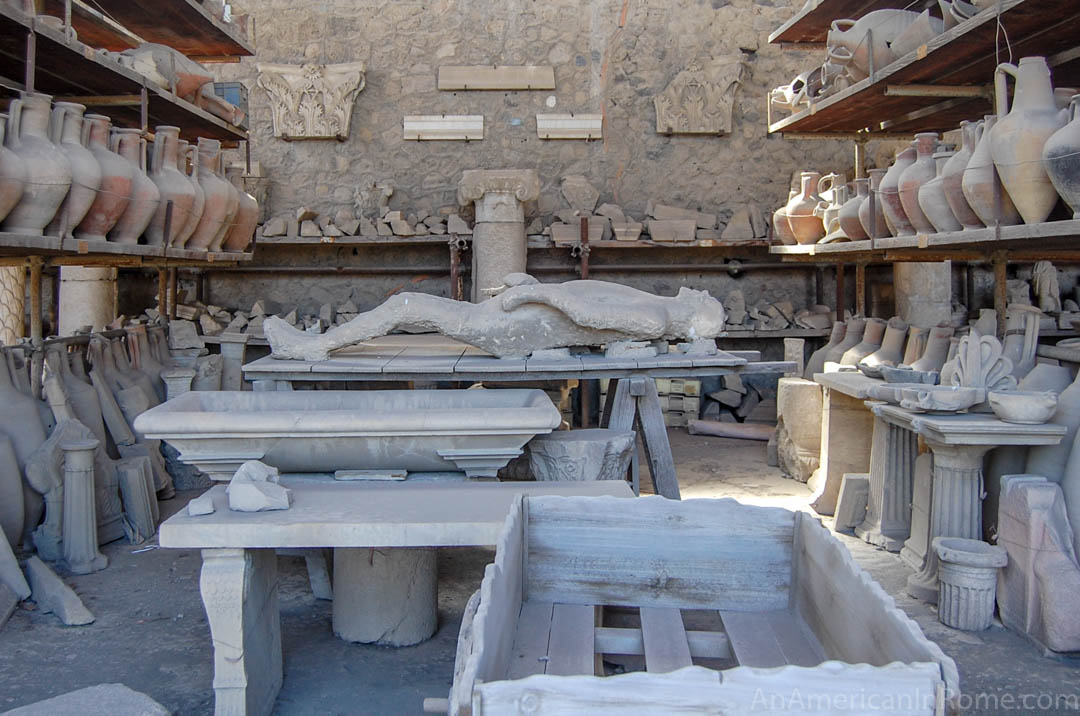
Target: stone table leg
(892, 469)
(955, 508)
(385, 595)
(846, 428)
(240, 593)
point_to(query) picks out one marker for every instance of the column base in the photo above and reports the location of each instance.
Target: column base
(385, 595)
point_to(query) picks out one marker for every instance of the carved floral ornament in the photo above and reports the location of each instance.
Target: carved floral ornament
(699, 100)
(312, 101)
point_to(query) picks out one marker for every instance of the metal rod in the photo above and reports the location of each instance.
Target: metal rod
(31, 60)
(584, 265)
(860, 157)
(456, 288)
(937, 91)
(144, 110)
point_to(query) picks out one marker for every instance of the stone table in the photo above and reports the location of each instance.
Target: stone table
(958, 442)
(846, 429)
(393, 526)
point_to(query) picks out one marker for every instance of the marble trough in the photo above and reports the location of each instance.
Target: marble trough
(472, 431)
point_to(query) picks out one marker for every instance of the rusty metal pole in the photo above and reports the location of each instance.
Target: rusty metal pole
(162, 291)
(860, 288)
(455, 268)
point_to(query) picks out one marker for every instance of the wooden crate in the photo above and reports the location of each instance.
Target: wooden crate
(786, 593)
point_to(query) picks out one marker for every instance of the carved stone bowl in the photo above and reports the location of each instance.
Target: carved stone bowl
(904, 374)
(1026, 407)
(941, 398)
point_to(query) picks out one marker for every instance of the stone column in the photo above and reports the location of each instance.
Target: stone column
(87, 298)
(498, 244)
(12, 303)
(177, 381)
(385, 595)
(80, 511)
(893, 450)
(845, 425)
(233, 348)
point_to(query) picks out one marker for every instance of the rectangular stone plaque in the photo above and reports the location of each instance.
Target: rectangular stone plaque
(444, 126)
(495, 77)
(569, 126)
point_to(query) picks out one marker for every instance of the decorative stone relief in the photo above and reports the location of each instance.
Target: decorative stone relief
(312, 101)
(700, 98)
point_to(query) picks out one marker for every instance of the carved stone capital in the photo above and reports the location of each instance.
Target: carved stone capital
(699, 100)
(312, 101)
(524, 184)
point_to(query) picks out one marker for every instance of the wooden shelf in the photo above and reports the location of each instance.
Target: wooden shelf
(811, 23)
(15, 248)
(780, 333)
(355, 240)
(544, 242)
(965, 55)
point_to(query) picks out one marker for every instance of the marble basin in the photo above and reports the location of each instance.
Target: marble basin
(903, 374)
(325, 431)
(941, 398)
(1026, 407)
(891, 392)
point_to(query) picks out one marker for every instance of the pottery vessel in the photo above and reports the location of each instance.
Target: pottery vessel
(217, 197)
(144, 360)
(48, 171)
(1025, 407)
(952, 178)
(921, 171)
(937, 350)
(816, 362)
(829, 210)
(782, 229)
(247, 216)
(941, 398)
(1061, 155)
(806, 227)
(873, 333)
(981, 182)
(172, 186)
(853, 336)
(899, 374)
(130, 145)
(892, 347)
(114, 191)
(185, 151)
(878, 228)
(849, 212)
(851, 35)
(1018, 138)
(232, 208)
(70, 133)
(889, 193)
(1021, 338)
(924, 28)
(12, 173)
(932, 199)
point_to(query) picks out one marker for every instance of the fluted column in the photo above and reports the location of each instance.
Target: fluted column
(80, 510)
(893, 450)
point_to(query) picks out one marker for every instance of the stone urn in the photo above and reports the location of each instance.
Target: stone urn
(1061, 155)
(247, 215)
(889, 193)
(69, 133)
(981, 178)
(145, 196)
(48, 171)
(921, 171)
(849, 212)
(12, 173)
(967, 577)
(853, 336)
(878, 228)
(217, 195)
(933, 201)
(806, 227)
(873, 333)
(816, 362)
(186, 151)
(173, 186)
(114, 192)
(1018, 138)
(952, 178)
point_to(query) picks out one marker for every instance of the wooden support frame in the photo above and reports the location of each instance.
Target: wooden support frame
(634, 402)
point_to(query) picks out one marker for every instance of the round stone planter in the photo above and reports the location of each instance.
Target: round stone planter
(967, 577)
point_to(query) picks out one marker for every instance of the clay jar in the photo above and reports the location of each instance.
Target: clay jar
(48, 171)
(923, 170)
(12, 173)
(851, 35)
(932, 199)
(782, 228)
(853, 335)
(891, 351)
(172, 186)
(1061, 155)
(217, 196)
(878, 228)
(69, 133)
(21, 422)
(873, 334)
(827, 211)
(889, 193)
(981, 182)
(849, 212)
(200, 198)
(952, 177)
(1017, 140)
(916, 344)
(114, 192)
(144, 361)
(130, 145)
(231, 210)
(806, 227)
(937, 350)
(816, 363)
(247, 215)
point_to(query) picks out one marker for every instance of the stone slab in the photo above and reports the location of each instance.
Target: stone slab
(100, 700)
(443, 126)
(850, 383)
(52, 595)
(971, 428)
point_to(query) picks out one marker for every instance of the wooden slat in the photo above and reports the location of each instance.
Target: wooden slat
(629, 641)
(662, 631)
(655, 440)
(794, 638)
(531, 640)
(752, 640)
(571, 647)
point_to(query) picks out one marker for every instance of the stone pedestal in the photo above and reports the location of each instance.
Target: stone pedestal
(846, 426)
(798, 429)
(385, 595)
(893, 450)
(498, 246)
(87, 298)
(81, 553)
(233, 348)
(177, 381)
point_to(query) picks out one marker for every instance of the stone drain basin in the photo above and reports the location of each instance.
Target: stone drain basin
(471, 431)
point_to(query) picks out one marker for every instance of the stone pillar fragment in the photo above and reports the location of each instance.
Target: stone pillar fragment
(893, 450)
(846, 426)
(87, 298)
(80, 512)
(233, 348)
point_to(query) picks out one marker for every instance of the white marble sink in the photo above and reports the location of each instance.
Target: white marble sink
(471, 431)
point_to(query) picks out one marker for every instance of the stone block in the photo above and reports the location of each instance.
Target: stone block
(209, 326)
(201, 505)
(310, 229)
(53, 596)
(383, 229)
(581, 455)
(613, 212)
(366, 227)
(393, 595)
(738, 227)
(730, 398)
(255, 488)
(626, 231)
(851, 502)
(10, 573)
(666, 212)
(579, 193)
(672, 230)
(456, 225)
(707, 235)
(277, 226)
(306, 214)
(182, 334)
(100, 700)
(798, 414)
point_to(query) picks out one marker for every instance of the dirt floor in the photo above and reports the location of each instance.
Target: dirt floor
(151, 633)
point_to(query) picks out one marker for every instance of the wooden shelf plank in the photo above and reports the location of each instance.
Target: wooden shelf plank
(72, 251)
(544, 242)
(93, 27)
(811, 23)
(353, 240)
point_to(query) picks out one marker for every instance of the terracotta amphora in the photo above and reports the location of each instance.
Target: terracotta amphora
(1017, 140)
(915, 345)
(130, 145)
(70, 133)
(849, 212)
(887, 25)
(48, 171)
(873, 333)
(114, 192)
(21, 422)
(952, 178)
(200, 198)
(782, 228)
(172, 186)
(878, 228)
(937, 349)
(806, 227)
(981, 182)
(923, 169)
(853, 336)
(816, 362)
(217, 197)
(932, 199)
(1061, 155)
(230, 212)
(247, 215)
(144, 360)
(889, 193)
(829, 210)
(891, 351)
(12, 173)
